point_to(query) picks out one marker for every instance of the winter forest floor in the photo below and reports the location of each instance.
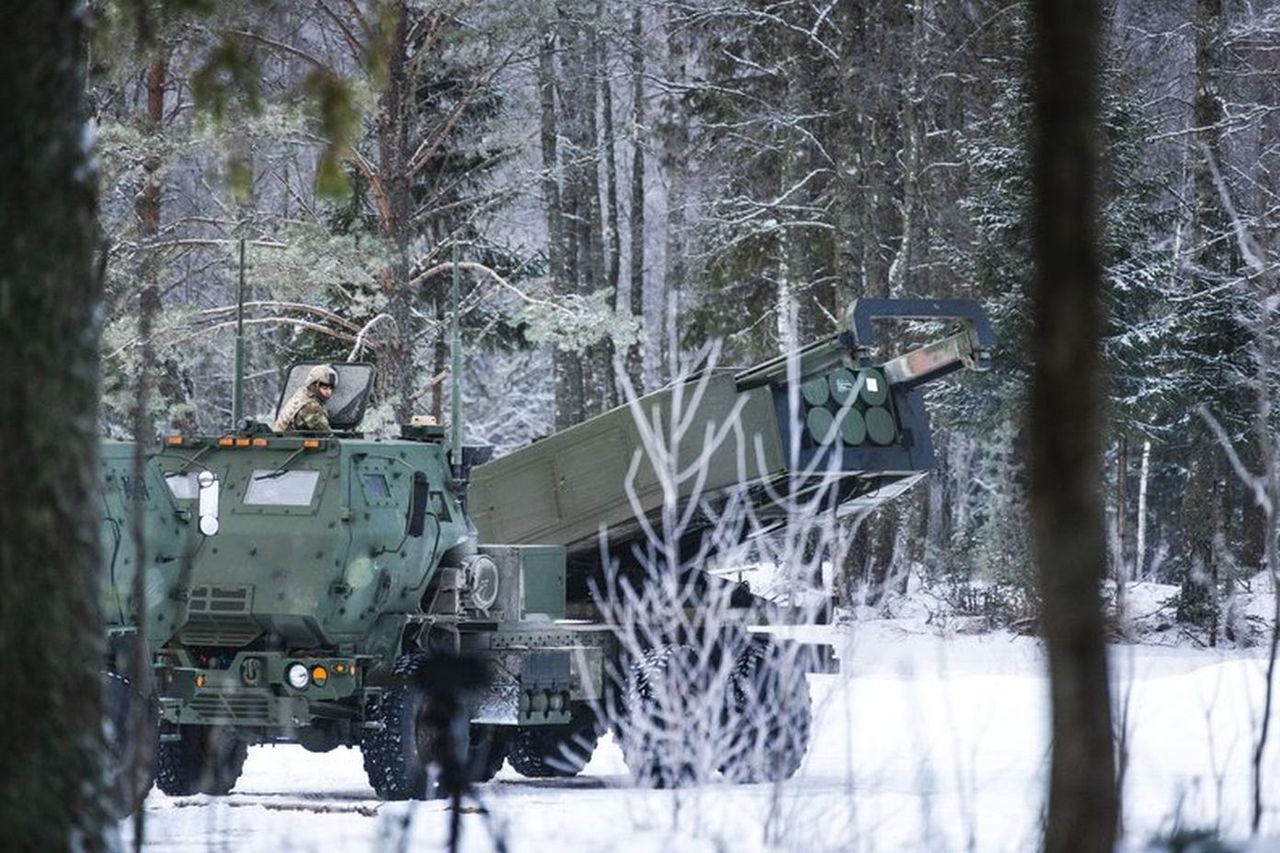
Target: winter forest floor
(929, 739)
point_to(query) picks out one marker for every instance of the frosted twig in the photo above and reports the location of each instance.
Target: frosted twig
(358, 347)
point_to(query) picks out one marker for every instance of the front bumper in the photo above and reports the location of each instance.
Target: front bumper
(250, 689)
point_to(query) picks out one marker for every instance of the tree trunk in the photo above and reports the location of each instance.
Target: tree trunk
(566, 367)
(635, 353)
(612, 239)
(597, 156)
(1066, 423)
(795, 261)
(148, 210)
(50, 627)
(675, 144)
(1122, 509)
(879, 116)
(1253, 528)
(899, 270)
(1199, 511)
(393, 124)
(847, 167)
(1140, 546)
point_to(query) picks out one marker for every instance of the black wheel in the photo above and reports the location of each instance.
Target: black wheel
(556, 751)
(131, 732)
(768, 716)
(486, 750)
(203, 760)
(397, 754)
(659, 735)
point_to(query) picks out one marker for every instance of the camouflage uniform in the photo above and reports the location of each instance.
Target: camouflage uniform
(305, 411)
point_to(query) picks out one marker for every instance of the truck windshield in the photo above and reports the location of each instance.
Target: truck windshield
(183, 486)
(281, 488)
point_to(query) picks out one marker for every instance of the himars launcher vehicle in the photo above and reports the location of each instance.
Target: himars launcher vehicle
(299, 587)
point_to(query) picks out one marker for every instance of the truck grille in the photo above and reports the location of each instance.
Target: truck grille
(220, 616)
(238, 708)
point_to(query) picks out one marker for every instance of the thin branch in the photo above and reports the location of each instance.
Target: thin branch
(357, 49)
(364, 331)
(280, 46)
(276, 304)
(447, 266)
(1248, 248)
(1257, 484)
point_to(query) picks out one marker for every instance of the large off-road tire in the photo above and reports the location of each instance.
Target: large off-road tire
(659, 735)
(556, 751)
(203, 760)
(397, 755)
(131, 731)
(768, 716)
(486, 750)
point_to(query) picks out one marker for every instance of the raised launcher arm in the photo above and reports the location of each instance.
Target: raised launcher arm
(856, 430)
(969, 348)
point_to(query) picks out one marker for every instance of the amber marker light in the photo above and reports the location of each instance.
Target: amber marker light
(200, 680)
(259, 442)
(339, 668)
(174, 441)
(311, 443)
(319, 675)
(243, 442)
(227, 442)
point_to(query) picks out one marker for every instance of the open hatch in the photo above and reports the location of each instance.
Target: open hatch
(350, 396)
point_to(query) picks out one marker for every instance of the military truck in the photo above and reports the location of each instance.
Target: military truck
(299, 587)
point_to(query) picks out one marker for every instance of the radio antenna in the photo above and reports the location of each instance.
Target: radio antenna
(237, 388)
(455, 372)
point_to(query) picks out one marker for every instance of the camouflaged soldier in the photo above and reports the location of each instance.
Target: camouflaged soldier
(305, 410)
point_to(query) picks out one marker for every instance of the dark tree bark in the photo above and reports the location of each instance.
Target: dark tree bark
(567, 368)
(581, 115)
(635, 355)
(395, 115)
(1066, 423)
(610, 240)
(50, 628)
(877, 101)
(1201, 510)
(674, 139)
(147, 207)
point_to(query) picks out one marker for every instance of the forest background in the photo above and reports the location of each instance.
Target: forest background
(626, 180)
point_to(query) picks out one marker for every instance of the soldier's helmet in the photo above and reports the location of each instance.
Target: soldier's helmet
(322, 374)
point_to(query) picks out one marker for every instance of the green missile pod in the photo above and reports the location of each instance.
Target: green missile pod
(875, 390)
(820, 423)
(815, 391)
(880, 425)
(853, 427)
(844, 385)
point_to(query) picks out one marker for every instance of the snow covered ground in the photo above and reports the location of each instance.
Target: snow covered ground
(926, 741)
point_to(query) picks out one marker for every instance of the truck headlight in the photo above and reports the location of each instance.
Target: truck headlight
(297, 676)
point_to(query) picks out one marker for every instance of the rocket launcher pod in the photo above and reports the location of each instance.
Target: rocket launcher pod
(822, 418)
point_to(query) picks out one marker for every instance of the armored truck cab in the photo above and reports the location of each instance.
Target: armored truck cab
(297, 583)
(303, 559)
